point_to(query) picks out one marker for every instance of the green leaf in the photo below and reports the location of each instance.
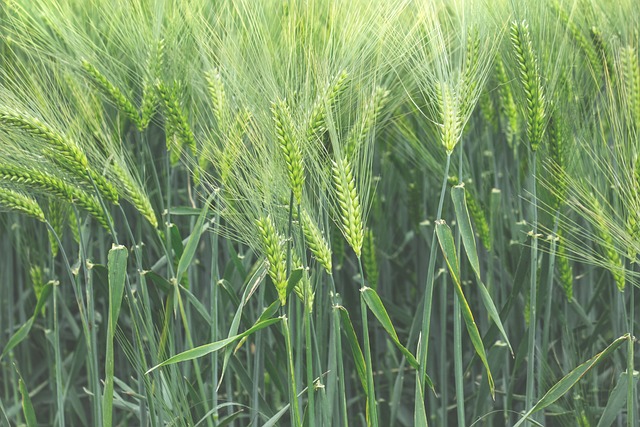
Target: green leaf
(24, 330)
(117, 271)
(162, 283)
(203, 350)
(27, 406)
(257, 277)
(469, 243)
(294, 278)
(617, 400)
(569, 380)
(194, 239)
(376, 306)
(352, 339)
(466, 230)
(445, 239)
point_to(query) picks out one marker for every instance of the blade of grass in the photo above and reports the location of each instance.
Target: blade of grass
(117, 265)
(445, 238)
(469, 242)
(571, 379)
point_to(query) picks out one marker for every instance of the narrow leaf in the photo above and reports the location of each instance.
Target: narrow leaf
(294, 278)
(376, 306)
(194, 239)
(469, 242)
(203, 350)
(617, 400)
(117, 270)
(352, 338)
(24, 330)
(445, 239)
(27, 406)
(569, 380)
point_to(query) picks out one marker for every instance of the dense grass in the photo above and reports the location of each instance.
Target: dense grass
(319, 212)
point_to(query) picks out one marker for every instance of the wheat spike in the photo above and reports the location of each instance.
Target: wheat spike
(508, 109)
(316, 241)
(531, 82)
(136, 196)
(176, 122)
(149, 95)
(112, 93)
(289, 147)
(369, 258)
(54, 187)
(19, 202)
(349, 204)
(218, 99)
(273, 249)
(63, 151)
(316, 125)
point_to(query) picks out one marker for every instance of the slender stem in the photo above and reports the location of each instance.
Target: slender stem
(293, 399)
(308, 305)
(214, 315)
(531, 349)
(338, 342)
(457, 327)
(58, 360)
(549, 288)
(428, 294)
(630, 367)
(444, 372)
(372, 411)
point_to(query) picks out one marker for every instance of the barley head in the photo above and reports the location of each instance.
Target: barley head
(273, 249)
(531, 82)
(349, 205)
(289, 147)
(19, 202)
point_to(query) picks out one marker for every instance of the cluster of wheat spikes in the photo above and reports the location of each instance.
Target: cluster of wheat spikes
(319, 213)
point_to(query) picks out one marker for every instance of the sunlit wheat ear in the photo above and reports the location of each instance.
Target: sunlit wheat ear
(630, 71)
(606, 242)
(178, 130)
(135, 195)
(54, 187)
(15, 201)
(316, 124)
(348, 200)
(273, 248)
(315, 241)
(531, 82)
(365, 127)
(149, 94)
(289, 147)
(62, 151)
(508, 109)
(112, 93)
(450, 115)
(218, 96)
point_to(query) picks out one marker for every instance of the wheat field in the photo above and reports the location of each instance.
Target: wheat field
(319, 213)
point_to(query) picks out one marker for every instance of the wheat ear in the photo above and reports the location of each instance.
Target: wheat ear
(19, 202)
(531, 82)
(349, 204)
